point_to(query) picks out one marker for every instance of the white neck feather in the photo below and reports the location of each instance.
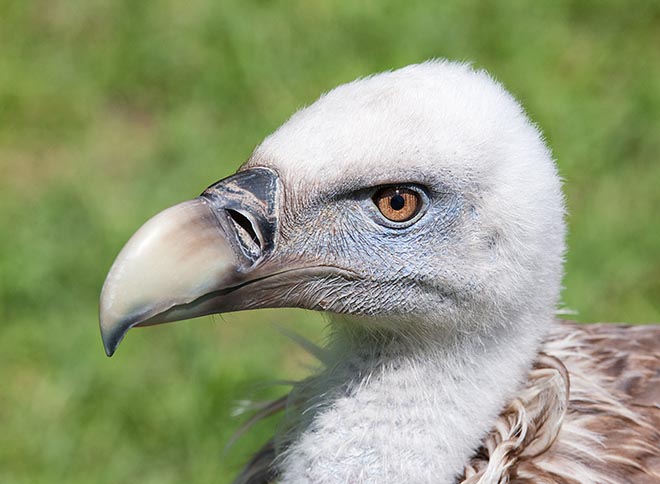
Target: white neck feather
(388, 411)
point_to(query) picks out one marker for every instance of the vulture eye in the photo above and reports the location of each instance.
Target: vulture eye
(398, 204)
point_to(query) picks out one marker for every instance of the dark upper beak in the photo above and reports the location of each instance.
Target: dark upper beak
(187, 260)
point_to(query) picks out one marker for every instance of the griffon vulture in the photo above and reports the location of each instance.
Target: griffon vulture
(422, 210)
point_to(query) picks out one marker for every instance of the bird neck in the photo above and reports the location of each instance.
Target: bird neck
(390, 408)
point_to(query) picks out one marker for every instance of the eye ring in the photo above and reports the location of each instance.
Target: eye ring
(398, 204)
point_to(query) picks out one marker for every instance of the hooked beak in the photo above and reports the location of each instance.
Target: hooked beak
(193, 258)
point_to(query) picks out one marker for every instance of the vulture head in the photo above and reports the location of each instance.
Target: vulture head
(420, 202)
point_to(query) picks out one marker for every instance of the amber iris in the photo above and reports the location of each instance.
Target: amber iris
(397, 204)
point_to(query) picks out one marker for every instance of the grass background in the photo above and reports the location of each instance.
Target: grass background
(111, 110)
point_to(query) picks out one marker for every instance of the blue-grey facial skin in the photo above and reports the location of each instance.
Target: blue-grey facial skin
(395, 264)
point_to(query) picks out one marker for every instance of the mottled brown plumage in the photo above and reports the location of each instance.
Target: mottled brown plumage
(608, 432)
(590, 413)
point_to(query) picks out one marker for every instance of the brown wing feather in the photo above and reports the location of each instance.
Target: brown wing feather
(629, 356)
(590, 414)
(609, 431)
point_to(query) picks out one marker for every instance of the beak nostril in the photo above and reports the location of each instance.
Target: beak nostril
(246, 233)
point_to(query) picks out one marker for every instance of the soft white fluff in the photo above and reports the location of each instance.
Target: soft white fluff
(412, 401)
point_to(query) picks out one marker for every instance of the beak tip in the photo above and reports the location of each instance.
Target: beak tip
(113, 327)
(111, 340)
(109, 351)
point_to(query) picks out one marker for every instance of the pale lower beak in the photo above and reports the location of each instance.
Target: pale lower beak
(189, 253)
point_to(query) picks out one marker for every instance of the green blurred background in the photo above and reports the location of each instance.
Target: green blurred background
(111, 110)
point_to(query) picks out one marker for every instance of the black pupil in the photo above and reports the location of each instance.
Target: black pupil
(397, 202)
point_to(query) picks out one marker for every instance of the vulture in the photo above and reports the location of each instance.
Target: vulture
(422, 211)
